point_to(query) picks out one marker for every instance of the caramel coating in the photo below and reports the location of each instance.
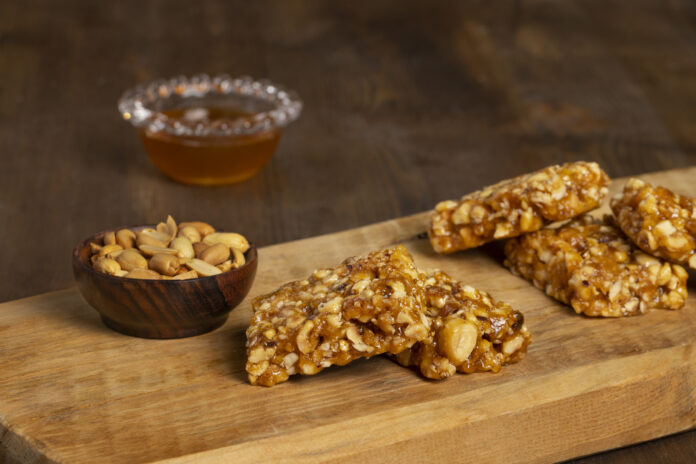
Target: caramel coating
(470, 331)
(366, 306)
(658, 221)
(516, 206)
(590, 265)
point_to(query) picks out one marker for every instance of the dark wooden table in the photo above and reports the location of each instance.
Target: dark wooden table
(406, 103)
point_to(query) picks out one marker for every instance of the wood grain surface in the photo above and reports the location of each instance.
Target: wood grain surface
(406, 103)
(73, 391)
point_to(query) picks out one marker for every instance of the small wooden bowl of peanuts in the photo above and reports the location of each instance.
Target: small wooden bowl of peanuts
(165, 281)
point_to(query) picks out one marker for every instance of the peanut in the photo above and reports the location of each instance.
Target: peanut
(114, 254)
(303, 343)
(186, 275)
(130, 259)
(143, 274)
(215, 254)
(190, 233)
(203, 228)
(109, 238)
(226, 266)
(125, 238)
(183, 247)
(665, 274)
(165, 264)
(230, 239)
(151, 250)
(202, 268)
(198, 248)
(108, 249)
(457, 339)
(692, 261)
(169, 228)
(107, 266)
(151, 237)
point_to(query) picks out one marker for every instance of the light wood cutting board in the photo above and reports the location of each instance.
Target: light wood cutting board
(72, 391)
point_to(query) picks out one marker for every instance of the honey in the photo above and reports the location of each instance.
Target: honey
(210, 160)
(210, 130)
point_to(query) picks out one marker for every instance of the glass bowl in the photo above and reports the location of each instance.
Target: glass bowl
(210, 130)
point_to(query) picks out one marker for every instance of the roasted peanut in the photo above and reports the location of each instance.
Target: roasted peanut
(226, 266)
(130, 259)
(106, 249)
(114, 254)
(125, 238)
(162, 228)
(169, 228)
(202, 268)
(457, 339)
(190, 233)
(186, 275)
(199, 247)
(143, 274)
(151, 250)
(183, 247)
(203, 228)
(151, 237)
(109, 238)
(239, 259)
(165, 264)
(163, 251)
(215, 254)
(230, 239)
(107, 266)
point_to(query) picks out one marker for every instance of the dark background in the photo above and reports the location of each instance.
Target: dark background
(406, 103)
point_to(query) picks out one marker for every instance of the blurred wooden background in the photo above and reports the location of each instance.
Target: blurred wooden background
(406, 103)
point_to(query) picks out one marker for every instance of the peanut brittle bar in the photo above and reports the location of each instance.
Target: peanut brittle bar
(469, 332)
(658, 221)
(366, 306)
(516, 206)
(590, 265)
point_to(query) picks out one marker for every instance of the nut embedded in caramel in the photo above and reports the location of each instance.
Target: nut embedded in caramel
(365, 307)
(590, 265)
(516, 206)
(470, 332)
(658, 221)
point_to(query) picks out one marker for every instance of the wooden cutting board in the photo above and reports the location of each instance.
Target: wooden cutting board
(73, 391)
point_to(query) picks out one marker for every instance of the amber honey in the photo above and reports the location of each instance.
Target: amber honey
(210, 160)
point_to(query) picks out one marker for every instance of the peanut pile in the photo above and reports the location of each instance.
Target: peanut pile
(170, 251)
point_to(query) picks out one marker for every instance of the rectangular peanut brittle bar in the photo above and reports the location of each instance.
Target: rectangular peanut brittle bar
(658, 221)
(469, 332)
(366, 306)
(590, 265)
(516, 206)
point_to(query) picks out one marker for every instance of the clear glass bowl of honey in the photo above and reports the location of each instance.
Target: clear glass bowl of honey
(208, 130)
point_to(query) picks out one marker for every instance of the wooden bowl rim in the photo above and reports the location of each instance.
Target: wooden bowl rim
(251, 252)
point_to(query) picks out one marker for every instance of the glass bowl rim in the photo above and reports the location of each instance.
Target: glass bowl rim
(135, 105)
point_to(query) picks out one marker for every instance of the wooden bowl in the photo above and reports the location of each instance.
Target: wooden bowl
(162, 308)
